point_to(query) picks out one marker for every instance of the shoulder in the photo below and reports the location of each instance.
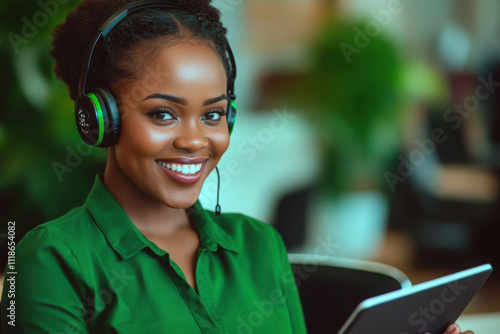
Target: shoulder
(67, 229)
(63, 240)
(45, 257)
(48, 275)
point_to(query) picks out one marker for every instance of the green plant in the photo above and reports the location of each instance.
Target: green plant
(37, 128)
(353, 102)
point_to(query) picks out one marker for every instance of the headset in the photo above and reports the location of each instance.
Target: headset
(96, 111)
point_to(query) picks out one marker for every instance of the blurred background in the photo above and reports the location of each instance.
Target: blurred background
(369, 125)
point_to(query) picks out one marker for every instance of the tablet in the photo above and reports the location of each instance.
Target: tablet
(426, 307)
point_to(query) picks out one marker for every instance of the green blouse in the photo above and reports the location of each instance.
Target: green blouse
(93, 271)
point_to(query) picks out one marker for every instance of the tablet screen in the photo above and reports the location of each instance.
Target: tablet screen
(426, 307)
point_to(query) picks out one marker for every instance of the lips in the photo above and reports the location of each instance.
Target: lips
(183, 170)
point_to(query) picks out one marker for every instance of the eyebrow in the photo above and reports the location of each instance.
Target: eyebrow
(183, 101)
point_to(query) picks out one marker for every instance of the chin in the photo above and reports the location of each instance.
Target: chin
(181, 200)
(179, 205)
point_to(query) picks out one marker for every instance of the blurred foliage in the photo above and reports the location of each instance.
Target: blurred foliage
(37, 128)
(351, 94)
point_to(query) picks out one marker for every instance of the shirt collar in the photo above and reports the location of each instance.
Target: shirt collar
(127, 240)
(210, 232)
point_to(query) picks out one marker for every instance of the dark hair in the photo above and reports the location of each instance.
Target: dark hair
(114, 56)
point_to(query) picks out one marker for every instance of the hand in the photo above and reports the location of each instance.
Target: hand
(454, 329)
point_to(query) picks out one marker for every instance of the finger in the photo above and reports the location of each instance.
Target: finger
(453, 329)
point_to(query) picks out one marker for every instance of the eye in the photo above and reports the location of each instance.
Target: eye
(214, 115)
(162, 114)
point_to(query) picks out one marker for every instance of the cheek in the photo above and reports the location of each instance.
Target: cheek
(140, 138)
(220, 143)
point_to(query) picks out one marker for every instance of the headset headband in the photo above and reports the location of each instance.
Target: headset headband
(120, 15)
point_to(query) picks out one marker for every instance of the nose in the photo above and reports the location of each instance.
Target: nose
(191, 137)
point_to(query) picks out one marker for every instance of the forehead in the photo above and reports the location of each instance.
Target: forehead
(191, 61)
(189, 64)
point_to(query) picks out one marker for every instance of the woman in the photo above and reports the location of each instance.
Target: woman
(142, 255)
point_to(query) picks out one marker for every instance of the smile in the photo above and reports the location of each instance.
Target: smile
(182, 168)
(183, 172)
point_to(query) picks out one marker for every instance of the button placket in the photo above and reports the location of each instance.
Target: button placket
(205, 290)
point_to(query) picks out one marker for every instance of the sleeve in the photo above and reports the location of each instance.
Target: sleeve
(42, 293)
(290, 290)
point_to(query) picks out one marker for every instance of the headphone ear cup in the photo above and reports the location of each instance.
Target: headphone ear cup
(231, 115)
(97, 118)
(112, 119)
(89, 119)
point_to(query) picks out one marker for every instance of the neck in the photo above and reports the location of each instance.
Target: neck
(148, 214)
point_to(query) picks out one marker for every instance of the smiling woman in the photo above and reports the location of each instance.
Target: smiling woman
(141, 255)
(180, 121)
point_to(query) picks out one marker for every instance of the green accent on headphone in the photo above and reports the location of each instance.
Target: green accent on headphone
(233, 104)
(100, 118)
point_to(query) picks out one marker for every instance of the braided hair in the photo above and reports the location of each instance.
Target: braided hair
(140, 35)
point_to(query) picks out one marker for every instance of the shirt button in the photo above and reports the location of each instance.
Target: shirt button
(208, 241)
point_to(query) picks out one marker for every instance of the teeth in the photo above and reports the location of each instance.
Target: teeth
(182, 168)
